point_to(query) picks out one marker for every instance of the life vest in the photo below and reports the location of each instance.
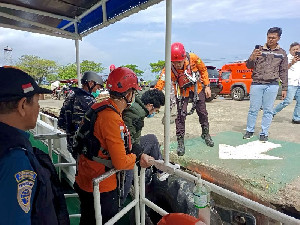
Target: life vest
(87, 144)
(49, 206)
(187, 78)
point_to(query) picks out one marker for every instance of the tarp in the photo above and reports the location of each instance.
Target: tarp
(72, 19)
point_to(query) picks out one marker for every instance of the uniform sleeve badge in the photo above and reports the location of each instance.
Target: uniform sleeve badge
(25, 181)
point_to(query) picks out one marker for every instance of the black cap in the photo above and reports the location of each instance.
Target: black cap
(16, 84)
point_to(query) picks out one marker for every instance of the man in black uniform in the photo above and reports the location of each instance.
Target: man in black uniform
(77, 103)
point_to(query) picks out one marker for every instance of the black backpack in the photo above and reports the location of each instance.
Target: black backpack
(85, 141)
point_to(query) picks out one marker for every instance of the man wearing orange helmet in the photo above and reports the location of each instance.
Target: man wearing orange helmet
(188, 75)
(115, 146)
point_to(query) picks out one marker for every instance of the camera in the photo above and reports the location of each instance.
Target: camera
(257, 46)
(297, 54)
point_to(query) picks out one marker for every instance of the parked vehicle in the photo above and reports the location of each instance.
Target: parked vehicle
(236, 80)
(215, 85)
(65, 91)
(56, 93)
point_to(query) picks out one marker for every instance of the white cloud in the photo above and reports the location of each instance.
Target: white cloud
(58, 49)
(140, 34)
(211, 10)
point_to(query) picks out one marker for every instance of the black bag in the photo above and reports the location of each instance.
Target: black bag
(85, 141)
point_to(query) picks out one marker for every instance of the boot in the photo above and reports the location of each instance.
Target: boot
(180, 147)
(206, 136)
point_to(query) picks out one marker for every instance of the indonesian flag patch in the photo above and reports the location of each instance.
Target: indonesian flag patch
(27, 88)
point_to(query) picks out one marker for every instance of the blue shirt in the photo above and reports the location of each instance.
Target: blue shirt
(17, 187)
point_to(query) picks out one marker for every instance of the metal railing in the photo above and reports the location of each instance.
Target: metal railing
(133, 203)
(140, 201)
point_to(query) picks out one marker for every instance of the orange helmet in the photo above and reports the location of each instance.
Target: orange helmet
(122, 79)
(177, 52)
(112, 67)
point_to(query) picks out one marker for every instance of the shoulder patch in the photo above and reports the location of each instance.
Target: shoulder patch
(199, 61)
(25, 181)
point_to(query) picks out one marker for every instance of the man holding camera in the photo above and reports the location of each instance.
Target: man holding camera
(293, 83)
(270, 65)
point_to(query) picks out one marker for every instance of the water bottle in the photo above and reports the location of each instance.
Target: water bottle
(201, 201)
(201, 196)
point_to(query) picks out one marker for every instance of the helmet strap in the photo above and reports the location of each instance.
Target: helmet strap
(127, 101)
(91, 88)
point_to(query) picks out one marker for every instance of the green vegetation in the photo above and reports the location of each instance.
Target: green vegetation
(157, 67)
(70, 71)
(37, 67)
(135, 69)
(44, 69)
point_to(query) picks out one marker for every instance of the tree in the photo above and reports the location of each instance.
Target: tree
(134, 69)
(37, 67)
(157, 67)
(70, 71)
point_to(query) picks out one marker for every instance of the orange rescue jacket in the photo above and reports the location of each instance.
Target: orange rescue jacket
(196, 65)
(109, 129)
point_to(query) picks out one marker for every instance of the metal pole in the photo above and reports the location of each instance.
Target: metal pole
(168, 79)
(136, 196)
(97, 205)
(50, 149)
(59, 168)
(77, 56)
(142, 195)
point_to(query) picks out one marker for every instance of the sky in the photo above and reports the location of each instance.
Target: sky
(218, 31)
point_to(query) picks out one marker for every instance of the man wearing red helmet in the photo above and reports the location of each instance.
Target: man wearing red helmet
(112, 133)
(112, 67)
(188, 76)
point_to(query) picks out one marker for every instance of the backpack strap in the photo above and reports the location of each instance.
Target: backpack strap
(88, 144)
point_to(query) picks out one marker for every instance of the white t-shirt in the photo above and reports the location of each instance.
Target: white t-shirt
(294, 72)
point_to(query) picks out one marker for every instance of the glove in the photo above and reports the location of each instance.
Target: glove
(137, 150)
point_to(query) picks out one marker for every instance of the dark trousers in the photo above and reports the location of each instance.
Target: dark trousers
(182, 112)
(151, 147)
(109, 205)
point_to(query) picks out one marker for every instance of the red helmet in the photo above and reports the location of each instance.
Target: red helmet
(178, 219)
(177, 52)
(112, 67)
(122, 79)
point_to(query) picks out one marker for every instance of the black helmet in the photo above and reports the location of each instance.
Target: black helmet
(91, 76)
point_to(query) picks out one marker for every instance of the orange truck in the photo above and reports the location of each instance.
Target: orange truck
(236, 80)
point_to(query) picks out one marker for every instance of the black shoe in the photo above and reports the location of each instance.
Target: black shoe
(263, 138)
(296, 121)
(206, 136)
(248, 135)
(180, 147)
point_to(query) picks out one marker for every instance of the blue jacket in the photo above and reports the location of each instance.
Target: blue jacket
(29, 188)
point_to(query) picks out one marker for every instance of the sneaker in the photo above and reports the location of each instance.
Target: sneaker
(248, 135)
(295, 121)
(263, 138)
